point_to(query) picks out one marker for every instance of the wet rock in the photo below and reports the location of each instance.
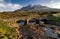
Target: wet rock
(29, 32)
(29, 37)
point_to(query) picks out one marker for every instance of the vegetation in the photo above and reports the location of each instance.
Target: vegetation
(54, 18)
(10, 33)
(7, 32)
(19, 14)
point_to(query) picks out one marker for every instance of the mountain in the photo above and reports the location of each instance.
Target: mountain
(39, 8)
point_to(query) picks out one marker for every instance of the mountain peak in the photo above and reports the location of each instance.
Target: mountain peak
(29, 5)
(40, 8)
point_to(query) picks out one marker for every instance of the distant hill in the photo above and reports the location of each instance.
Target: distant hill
(39, 8)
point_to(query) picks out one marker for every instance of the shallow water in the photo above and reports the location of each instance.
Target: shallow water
(32, 23)
(50, 33)
(22, 23)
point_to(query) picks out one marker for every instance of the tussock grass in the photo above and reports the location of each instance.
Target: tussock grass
(7, 32)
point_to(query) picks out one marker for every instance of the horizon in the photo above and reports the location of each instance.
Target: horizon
(12, 5)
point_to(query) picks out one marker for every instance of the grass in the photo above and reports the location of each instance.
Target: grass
(7, 32)
(54, 18)
(57, 15)
(19, 14)
(10, 33)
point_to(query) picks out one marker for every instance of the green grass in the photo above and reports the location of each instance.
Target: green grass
(7, 32)
(54, 18)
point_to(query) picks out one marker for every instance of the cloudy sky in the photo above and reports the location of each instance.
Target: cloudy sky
(11, 5)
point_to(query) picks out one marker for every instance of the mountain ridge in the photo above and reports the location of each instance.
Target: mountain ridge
(40, 8)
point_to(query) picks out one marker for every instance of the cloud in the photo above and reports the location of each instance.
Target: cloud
(53, 4)
(4, 6)
(52, 1)
(1, 0)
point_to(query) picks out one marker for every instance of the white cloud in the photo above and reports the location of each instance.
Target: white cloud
(1, 0)
(53, 4)
(52, 1)
(8, 6)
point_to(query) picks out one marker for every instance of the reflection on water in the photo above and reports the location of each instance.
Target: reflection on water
(21, 23)
(32, 22)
